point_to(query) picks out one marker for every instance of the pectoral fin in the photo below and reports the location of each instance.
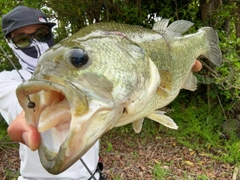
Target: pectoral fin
(159, 117)
(137, 125)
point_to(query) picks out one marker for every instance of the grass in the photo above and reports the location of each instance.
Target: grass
(10, 175)
(109, 147)
(6, 145)
(198, 129)
(3, 128)
(5, 141)
(160, 171)
(4, 138)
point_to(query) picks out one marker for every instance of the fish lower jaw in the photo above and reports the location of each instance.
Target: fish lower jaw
(54, 118)
(53, 138)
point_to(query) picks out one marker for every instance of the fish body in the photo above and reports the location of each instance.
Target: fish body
(108, 75)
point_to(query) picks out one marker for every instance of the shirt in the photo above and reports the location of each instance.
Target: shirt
(30, 166)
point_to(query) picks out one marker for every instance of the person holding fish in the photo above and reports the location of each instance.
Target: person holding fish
(29, 34)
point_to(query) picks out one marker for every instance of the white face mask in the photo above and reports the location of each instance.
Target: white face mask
(28, 57)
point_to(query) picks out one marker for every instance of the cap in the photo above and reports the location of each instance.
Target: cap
(22, 16)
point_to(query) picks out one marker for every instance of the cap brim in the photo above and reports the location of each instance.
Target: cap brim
(49, 24)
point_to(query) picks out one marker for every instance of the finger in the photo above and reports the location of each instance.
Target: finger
(197, 66)
(20, 131)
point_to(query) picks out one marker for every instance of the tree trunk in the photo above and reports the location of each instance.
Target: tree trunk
(208, 11)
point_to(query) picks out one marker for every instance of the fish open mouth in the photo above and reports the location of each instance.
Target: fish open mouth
(69, 120)
(52, 115)
(54, 118)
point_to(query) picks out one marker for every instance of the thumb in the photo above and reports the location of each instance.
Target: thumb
(20, 131)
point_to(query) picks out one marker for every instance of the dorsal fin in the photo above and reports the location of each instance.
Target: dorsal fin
(180, 26)
(161, 25)
(177, 27)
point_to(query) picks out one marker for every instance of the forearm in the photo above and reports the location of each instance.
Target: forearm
(9, 106)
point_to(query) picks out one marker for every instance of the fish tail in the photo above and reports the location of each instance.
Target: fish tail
(214, 54)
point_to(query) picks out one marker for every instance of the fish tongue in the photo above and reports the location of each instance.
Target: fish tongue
(53, 115)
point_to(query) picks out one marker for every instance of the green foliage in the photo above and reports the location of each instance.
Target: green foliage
(109, 147)
(3, 128)
(196, 124)
(5, 144)
(229, 72)
(232, 151)
(5, 141)
(10, 175)
(201, 130)
(159, 172)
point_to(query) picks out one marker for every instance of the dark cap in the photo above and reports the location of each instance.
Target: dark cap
(22, 16)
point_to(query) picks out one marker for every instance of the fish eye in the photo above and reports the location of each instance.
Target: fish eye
(77, 57)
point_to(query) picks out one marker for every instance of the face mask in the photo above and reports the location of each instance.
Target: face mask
(29, 56)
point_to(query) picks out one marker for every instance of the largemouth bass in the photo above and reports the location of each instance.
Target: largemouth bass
(109, 75)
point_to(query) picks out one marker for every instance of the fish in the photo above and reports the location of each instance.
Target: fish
(109, 75)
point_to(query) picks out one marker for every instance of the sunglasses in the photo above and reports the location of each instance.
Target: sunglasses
(25, 40)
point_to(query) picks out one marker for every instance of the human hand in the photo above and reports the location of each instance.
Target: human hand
(20, 131)
(197, 66)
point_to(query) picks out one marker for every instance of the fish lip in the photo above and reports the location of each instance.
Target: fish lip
(50, 160)
(34, 87)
